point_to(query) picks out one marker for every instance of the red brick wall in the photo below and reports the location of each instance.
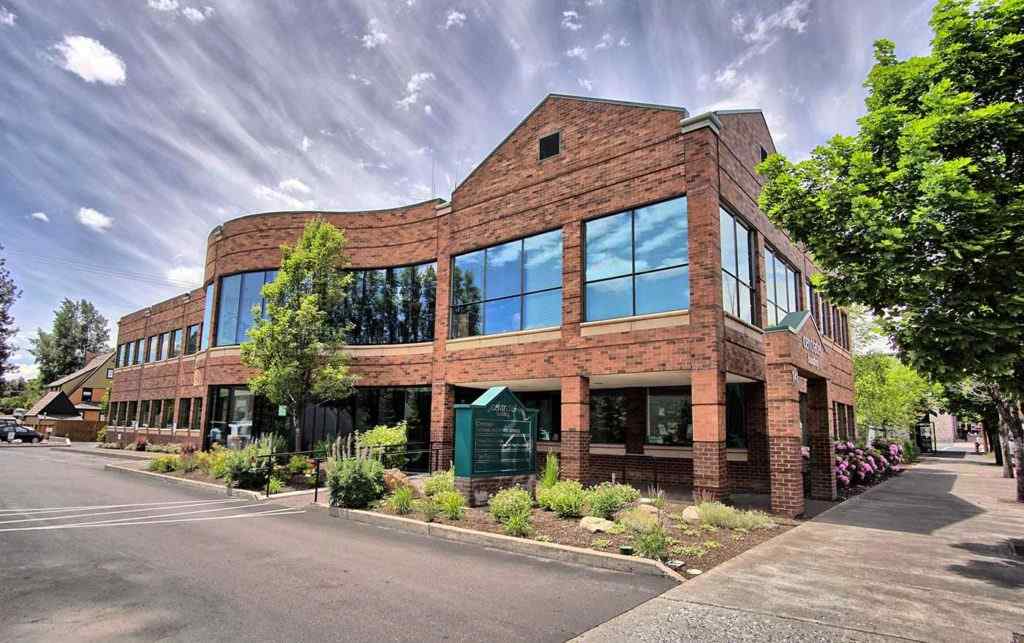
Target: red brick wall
(613, 157)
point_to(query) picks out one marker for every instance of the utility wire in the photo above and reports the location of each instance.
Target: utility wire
(149, 278)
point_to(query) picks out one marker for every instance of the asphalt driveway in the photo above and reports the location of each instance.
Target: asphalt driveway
(91, 555)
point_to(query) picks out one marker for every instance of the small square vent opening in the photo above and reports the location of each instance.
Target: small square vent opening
(550, 145)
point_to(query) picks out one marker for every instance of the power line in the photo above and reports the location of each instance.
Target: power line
(96, 269)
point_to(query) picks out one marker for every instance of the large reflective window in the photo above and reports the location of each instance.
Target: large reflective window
(737, 284)
(637, 262)
(508, 287)
(207, 317)
(607, 417)
(390, 305)
(783, 287)
(239, 295)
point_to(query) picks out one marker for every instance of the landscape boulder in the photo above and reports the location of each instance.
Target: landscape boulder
(393, 479)
(594, 524)
(691, 516)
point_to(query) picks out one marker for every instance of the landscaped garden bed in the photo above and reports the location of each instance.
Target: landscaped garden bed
(858, 468)
(606, 517)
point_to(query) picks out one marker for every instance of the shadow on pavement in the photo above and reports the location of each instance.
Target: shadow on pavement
(998, 567)
(918, 502)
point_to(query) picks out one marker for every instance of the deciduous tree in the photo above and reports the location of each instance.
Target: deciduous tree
(78, 329)
(297, 350)
(9, 293)
(920, 215)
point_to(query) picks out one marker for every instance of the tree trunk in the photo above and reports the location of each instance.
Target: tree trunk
(1010, 418)
(1004, 445)
(992, 437)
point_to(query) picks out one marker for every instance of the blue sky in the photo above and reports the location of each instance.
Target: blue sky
(130, 128)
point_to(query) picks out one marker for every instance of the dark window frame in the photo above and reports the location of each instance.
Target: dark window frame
(771, 297)
(522, 294)
(191, 346)
(751, 288)
(633, 274)
(391, 276)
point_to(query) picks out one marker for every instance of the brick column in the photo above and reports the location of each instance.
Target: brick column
(442, 425)
(575, 449)
(784, 440)
(710, 467)
(823, 451)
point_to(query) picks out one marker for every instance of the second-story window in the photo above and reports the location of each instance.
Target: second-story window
(207, 317)
(137, 351)
(637, 262)
(192, 339)
(737, 263)
(174, 344)
(783, 286)
(239, 296)
(153, 350)
(508, 287)
(391, 305)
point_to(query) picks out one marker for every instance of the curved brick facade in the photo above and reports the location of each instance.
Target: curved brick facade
(614, 157)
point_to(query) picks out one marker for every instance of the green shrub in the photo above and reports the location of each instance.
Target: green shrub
(298, 464)
(400, 501)
(188, 462)
(651, 543)
(519, 525)
(439, 482)
(638, 520)
(601, 543)
(550, 474)
(452, 504)
(276, 486)
(510, 502)
(101, 435)
(215, 462)
(169, 447)
(715, 514)
(689, 551)
(163, 463)
(355, 482)
(566, 498)
(607, 499)
(244, 469)
(429, 508)
(712, 544)
(387, 443)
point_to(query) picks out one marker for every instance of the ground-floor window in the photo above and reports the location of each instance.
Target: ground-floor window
(608, 416)
(197, 414)
(670, 416)
(237, 417)
(736, 400)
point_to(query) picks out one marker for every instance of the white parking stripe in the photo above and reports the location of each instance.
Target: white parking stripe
(111, 513)
(273, 512)
(136, 504)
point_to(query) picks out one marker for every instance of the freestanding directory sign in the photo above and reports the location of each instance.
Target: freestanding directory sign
(495, 444)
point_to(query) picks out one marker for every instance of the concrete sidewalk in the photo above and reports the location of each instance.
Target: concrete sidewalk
(926, 556)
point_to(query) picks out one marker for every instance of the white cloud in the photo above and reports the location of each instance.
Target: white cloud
(428, 110)
(41, 216)
(726, 77)
(294, 186)
(594, 3)
(454, 19)
(608, 41)
(586, 84)
(359, 79)
(412, 89)
(374, 36)
(197, 15)
(571, 21)
(761, 28)
(270, 194)
(514, 44)
(186, 274)
(26, 371)
(623, 41)
(163, 5)
(7, 17)
(577, 52)
(305, 144)
(93, 219)
(91, 61)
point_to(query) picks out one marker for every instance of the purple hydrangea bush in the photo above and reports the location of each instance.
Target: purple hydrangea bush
(867, 465)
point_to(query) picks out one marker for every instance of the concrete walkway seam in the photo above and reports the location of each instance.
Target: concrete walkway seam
(551, 551)
(243, 493)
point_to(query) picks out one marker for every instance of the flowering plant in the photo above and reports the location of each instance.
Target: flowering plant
(866, 465)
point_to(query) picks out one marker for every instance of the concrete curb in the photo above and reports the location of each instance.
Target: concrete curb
(111, 453)
(242, 493)
(37, 445)
(551, 551)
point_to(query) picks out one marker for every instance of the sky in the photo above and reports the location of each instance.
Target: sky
(130, 128)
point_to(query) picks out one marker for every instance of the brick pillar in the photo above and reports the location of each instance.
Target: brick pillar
(575, 449)
(784, 440)
(442, 425)
(710, 468)
(823, 451)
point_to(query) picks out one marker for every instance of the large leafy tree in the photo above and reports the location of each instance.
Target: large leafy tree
(78, 329)
(297, 349)
(920, 215)
(891, 395)
(9, 293)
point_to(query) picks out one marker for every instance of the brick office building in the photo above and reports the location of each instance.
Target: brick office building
(607, 261)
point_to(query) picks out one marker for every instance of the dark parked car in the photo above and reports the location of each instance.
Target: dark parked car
(22, 433)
